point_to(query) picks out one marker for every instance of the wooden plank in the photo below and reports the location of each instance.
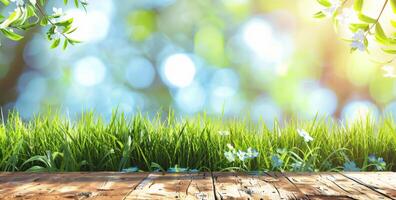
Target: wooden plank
(115, 185)
(243, 186)
(285, 188)
(329, 185)
(201, 187)
(14, 185)
(174, 186)
(318, 186)
(72, 185)
(382, 182)
(263, 186)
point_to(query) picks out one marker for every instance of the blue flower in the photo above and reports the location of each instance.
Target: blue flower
(372, 158)
(276, 161)
(350, 166)
(378, 163)
(252, 153)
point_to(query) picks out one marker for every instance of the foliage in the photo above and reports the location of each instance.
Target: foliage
(31, 13)
(50, 142)
(365, 29)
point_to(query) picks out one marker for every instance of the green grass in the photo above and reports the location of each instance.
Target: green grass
(51, 142)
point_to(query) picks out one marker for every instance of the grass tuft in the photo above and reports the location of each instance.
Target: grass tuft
(50, 142)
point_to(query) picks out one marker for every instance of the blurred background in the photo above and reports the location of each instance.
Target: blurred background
(267, 58)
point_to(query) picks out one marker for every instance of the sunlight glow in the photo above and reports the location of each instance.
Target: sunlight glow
(92, 26)
(179, 70)
(89, 71)
(259, 36)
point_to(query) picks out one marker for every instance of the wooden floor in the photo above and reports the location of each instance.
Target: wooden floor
(111, 185)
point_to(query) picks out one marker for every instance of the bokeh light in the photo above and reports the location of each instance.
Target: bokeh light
(89, 71)
(269, 59)
(178, 70)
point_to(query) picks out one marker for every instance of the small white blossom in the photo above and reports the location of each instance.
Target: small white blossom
(304, 134)
(389, 71)
(241, 155)
(224, 133)
(359, 35)
(335, 5)
(57, 11)
(347, 16)
(358, 40)
(229, 156)
(358, 45)
(230, 146)
(56, 35)
(252, 153)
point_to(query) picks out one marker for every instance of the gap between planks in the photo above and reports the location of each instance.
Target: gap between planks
(205, 185)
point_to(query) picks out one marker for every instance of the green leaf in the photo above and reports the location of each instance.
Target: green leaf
(65, 22)
(366, 18)
(390, 51)
(393, 23)
(324, 3)
(55, 44)
(5, 2)
(393, 5)
(11, 35)
(72, 41)
(319, 14)
(65, 44)
(379, 32)
(380, 35)
(358, 5)
(355, 27)
(43, 21)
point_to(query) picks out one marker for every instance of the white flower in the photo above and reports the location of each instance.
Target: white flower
(58, 32)
(230, 146)
(358, 40)
(229, 156)
(359, 35)
(19, 3)
(305, 135)
(224, 133)
(389, 71)
(358, 45)
(57, 35)
(335, 5)
(84, 1)
(241, 155)
(347, 16)
(57, 11)
(252, 153)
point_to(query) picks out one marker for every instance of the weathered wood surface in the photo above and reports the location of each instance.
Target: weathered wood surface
(218, 185)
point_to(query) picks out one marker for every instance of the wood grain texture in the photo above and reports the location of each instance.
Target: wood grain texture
(174, 186)
(201, 186)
